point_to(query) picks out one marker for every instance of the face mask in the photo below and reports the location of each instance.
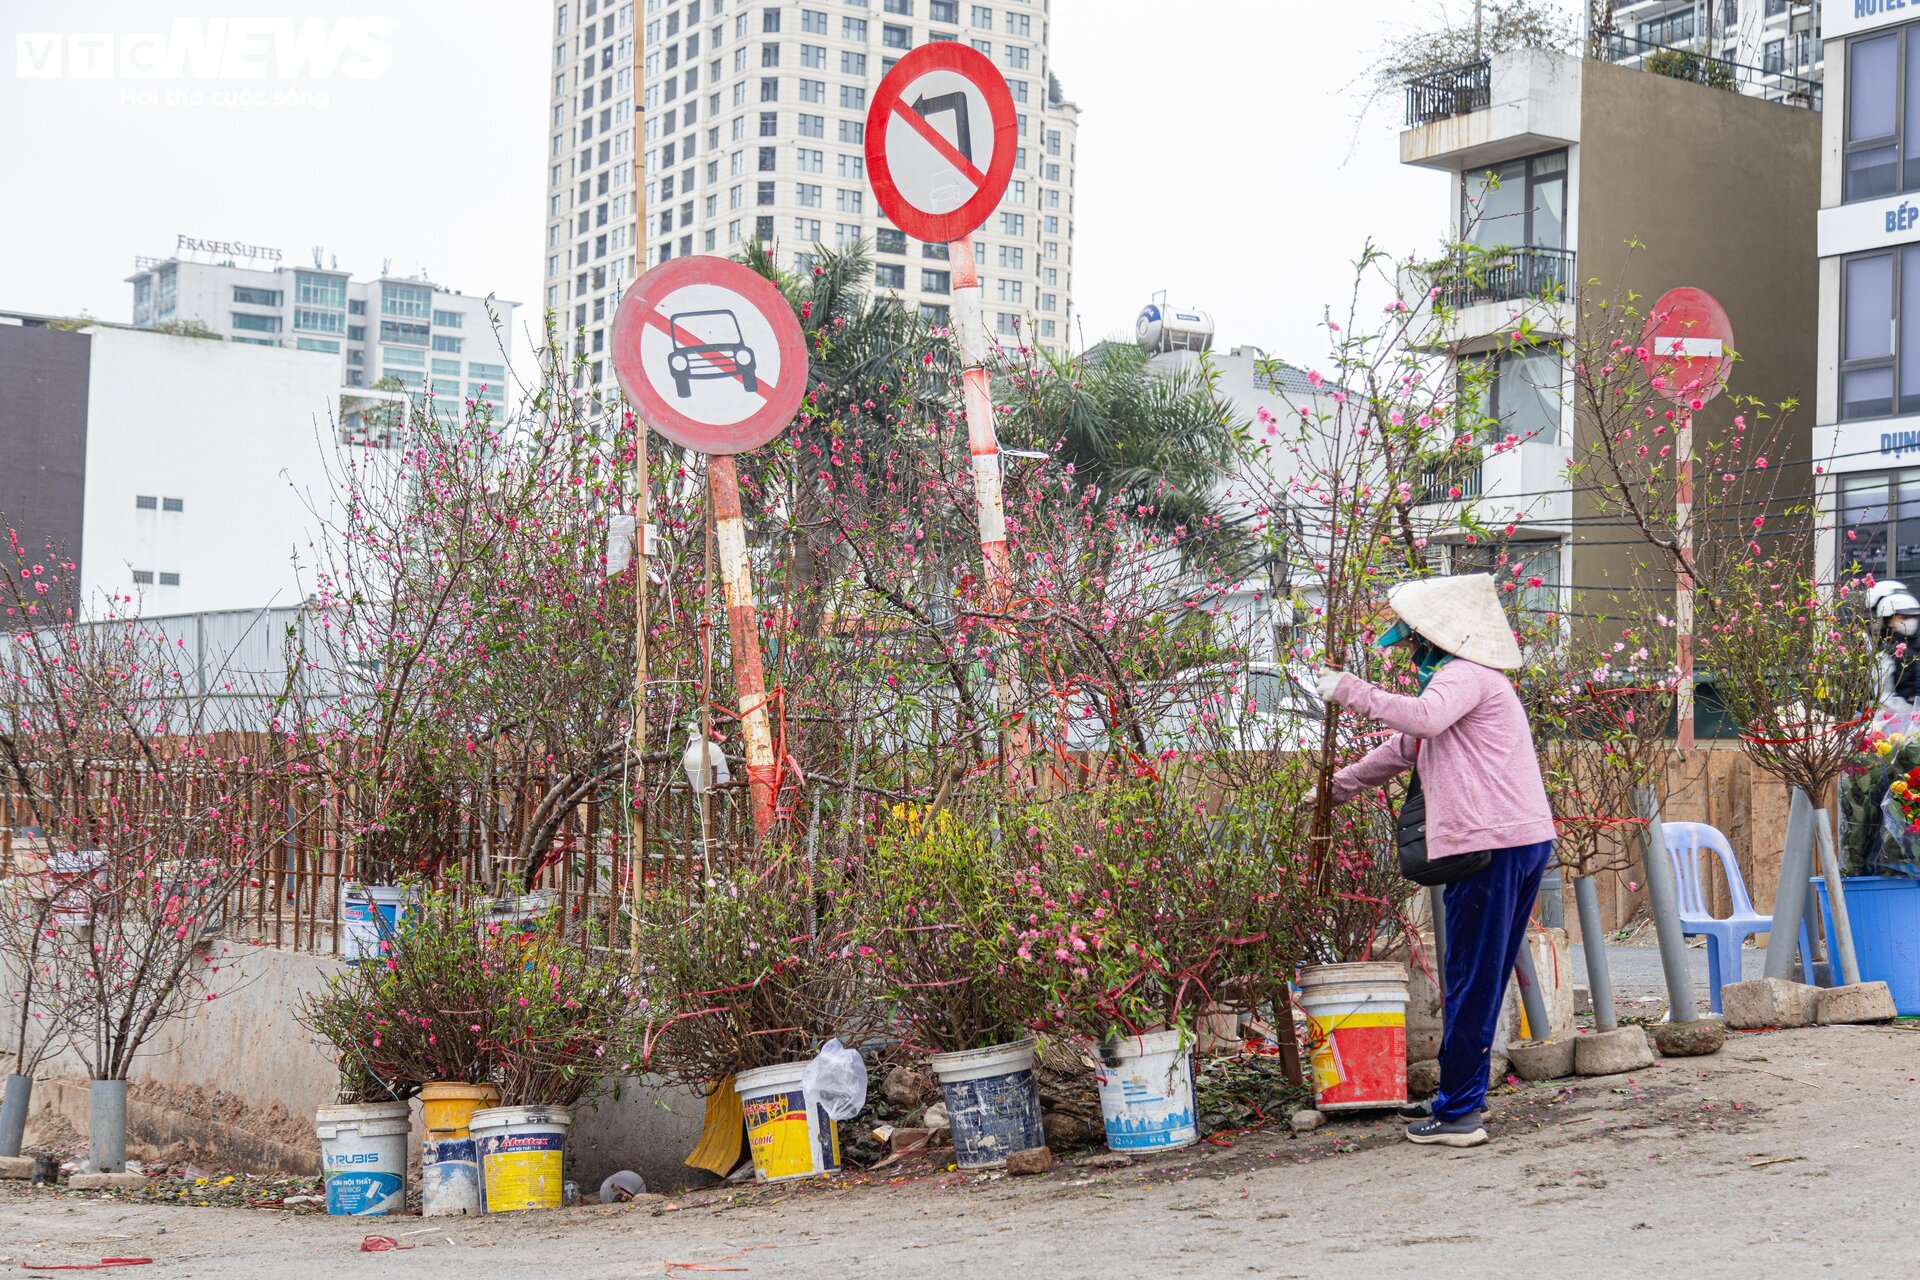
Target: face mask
(1907, 627)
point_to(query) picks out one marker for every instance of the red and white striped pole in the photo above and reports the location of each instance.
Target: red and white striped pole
(1683, 579)
(743, 624)
(983, 444)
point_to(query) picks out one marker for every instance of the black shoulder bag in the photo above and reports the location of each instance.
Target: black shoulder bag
(1410, 834)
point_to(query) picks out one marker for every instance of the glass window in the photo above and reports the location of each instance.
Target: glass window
(173, 504)
(319, 290)
(943, 10)
(853, 131)
(889, 240)
(853, 97)
(446, 342)
(405, 300)
(446, 368)
(769, 19)
(319, 321)
(1880, 334)
(1521, 395)
(1519, 203)
(813, 21)
(448, 319)
(853, 64)
(853, 29)
(495, 373)
(935, 282)
(813, 56)
(1883, 114)
(1017, 57)
(896, 37)
(247, 297)
(982, 17)
(1879, 528)
(257, 324)
(146, 502)
(327, 345)
(403, 356)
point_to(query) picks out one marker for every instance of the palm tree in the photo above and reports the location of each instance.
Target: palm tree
(1159, 444)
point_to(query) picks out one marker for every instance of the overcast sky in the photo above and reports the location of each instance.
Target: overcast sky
(1214, 153)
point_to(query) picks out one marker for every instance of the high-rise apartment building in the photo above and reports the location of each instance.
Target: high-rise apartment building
(753, 118)
(1775, 43)
(410, 332)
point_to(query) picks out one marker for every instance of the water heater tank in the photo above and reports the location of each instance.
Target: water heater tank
(1163, 328)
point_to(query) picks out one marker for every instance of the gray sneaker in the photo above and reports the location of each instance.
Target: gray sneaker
(1464, 1132)
(1418, 1110)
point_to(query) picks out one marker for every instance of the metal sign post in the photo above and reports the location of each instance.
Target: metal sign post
(716, 360)
(1689, 345)
(941, 136)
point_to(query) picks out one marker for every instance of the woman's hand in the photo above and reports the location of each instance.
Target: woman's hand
(1328, 683)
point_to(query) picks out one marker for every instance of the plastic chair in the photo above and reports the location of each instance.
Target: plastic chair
(1685, 843)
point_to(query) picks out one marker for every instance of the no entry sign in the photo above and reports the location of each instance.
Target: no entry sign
(941, 134)
(1689, 345)
(711, 353)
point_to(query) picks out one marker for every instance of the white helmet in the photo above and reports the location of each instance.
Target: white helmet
(1891, 599)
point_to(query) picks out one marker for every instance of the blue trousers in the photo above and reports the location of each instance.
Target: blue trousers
(1487, 918)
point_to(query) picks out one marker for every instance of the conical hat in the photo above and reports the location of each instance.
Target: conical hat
(1460, 614)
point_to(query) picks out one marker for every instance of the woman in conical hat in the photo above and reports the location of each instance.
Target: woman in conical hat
(1468, 738)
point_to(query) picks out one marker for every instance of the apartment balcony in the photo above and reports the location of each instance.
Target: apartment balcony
(1532, 272)
(1453, 479)
(1774, 81)
(1500, 108)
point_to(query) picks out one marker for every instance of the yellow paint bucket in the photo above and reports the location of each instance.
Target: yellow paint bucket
(788, 1138)
(522, 1152)
(447, 1109)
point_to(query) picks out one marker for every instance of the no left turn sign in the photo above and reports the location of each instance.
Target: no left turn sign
(711, 353)
(941, 134)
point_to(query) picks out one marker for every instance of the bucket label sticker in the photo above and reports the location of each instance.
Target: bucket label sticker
(462, 1150)
(522, 1170)
(363, 1192)
(777, 1134)
(1359, 1059)
(993, 1117)
(1147, 1107)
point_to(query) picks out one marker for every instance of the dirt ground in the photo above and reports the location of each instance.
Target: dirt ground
(1791, 1152)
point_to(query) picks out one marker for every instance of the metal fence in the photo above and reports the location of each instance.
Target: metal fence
(1508, 275)
(1452, 92)
(292, 894)
(1770, 83)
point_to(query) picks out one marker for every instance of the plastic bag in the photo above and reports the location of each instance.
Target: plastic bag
(836, 1081)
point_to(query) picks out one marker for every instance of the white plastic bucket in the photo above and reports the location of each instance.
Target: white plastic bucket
(787, 1137)
(522, 1151)
(369, 914)
(1357, 1027)
(363, 1155)
(1146, 1091)
(993, 1102)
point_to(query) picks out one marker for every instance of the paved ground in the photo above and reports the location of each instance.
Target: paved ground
(1790, 1153)
(1636, 970)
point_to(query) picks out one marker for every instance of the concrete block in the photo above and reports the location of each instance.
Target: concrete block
(1307, 1121)
(1694, 1039)
(1769, 1002)
(1542, 1059)
(1861, 1002)
(1423, 1078)
(1582, 1000)
(1612, 1053)
(106, 1181)
(20, 1167)
(1497, 1069)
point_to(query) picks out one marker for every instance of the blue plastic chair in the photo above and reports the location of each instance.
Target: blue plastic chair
(1685, 843)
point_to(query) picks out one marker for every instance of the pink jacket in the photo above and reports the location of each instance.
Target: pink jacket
(1477, 766)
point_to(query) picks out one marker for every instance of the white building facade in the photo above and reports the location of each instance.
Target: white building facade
(1867, 432)
(1778, 39)
(410, 332)
(752, 127)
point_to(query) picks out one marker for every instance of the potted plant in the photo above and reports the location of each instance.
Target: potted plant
(743, 976)
(939, 921)
(1138, 911)
(497, 1028)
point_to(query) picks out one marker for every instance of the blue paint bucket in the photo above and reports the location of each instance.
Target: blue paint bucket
(993, 1102)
